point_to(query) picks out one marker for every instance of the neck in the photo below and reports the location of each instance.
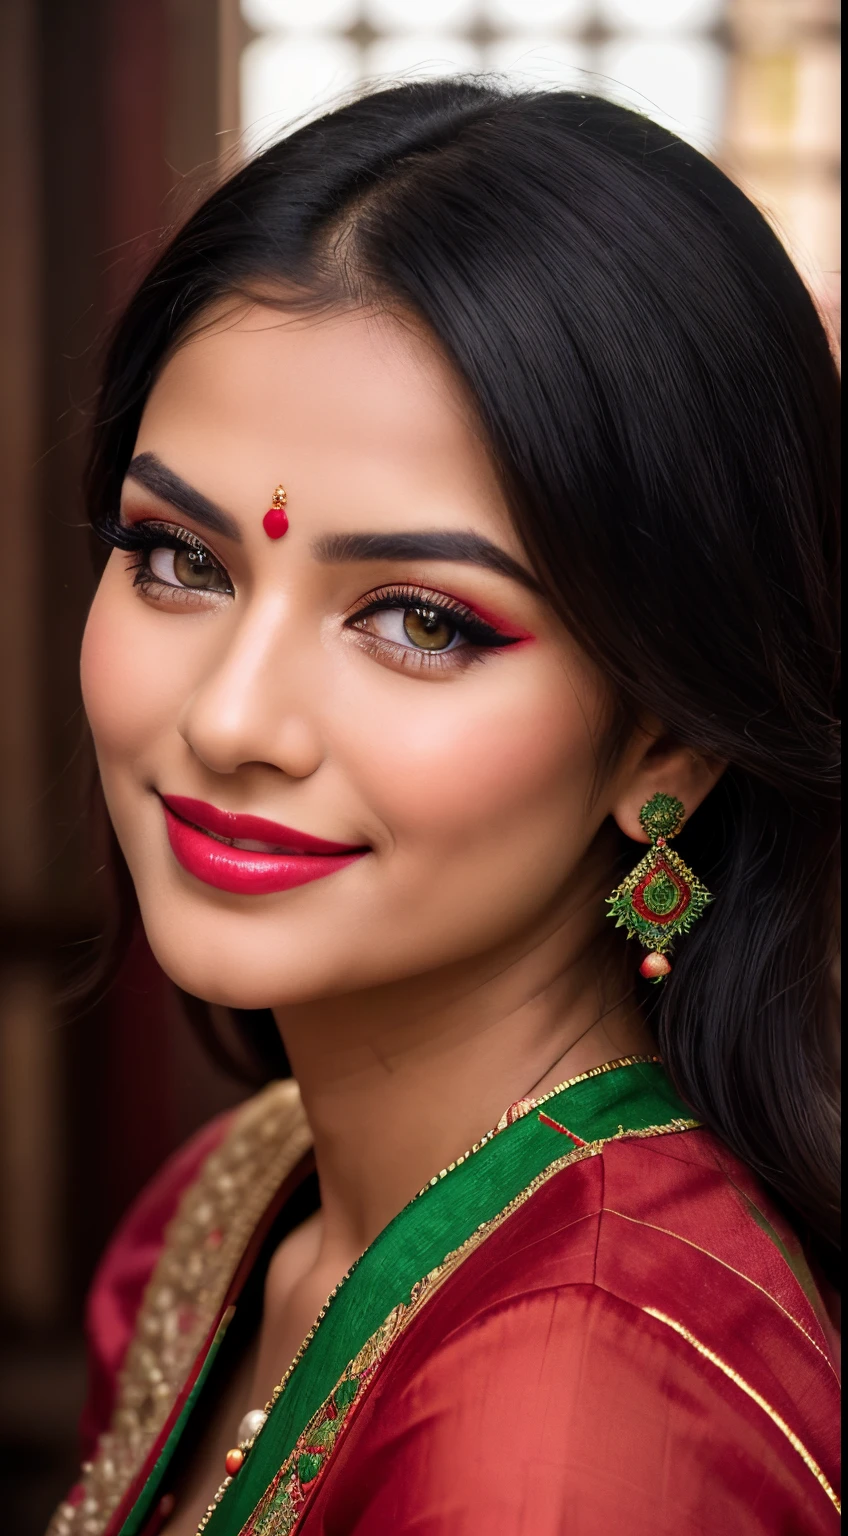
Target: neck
(398, 1082)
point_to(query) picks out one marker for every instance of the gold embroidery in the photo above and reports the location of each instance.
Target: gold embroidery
(523, 1107)
(637, 1222)
(582, 1077)
(282, 1503)
(751, 1392)
(203, 1245)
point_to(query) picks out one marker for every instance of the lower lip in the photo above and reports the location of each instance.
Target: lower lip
(247, 874)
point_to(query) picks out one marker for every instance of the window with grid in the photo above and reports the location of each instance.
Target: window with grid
(755, 83)
(668, 56)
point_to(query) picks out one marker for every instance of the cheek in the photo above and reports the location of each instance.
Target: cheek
(101, 672)
(125, 683)
(459, 766)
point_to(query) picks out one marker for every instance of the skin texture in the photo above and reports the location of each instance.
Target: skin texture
(466, 961)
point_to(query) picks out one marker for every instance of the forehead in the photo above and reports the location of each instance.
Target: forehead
(356, 407)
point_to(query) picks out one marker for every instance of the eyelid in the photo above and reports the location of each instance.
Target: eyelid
(146, 533)
(171, 530)
(400, 596)
(147, 583)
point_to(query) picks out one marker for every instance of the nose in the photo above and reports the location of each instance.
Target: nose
(252, 703)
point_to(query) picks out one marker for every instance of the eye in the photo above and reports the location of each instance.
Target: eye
(423, 627)
(189, 566)
(170, 563)
(414, 628)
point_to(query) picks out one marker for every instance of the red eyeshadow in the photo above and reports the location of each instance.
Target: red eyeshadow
(503, 626)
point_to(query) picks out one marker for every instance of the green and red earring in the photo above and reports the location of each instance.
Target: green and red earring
(661, 897)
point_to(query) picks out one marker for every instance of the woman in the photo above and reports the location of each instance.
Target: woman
(469, 467)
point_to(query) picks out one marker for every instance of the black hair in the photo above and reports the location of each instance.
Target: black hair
(661, 403)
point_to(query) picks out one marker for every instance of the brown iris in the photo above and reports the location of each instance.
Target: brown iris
(428, 629)
(196, 568)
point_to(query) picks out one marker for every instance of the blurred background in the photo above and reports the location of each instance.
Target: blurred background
(117, 114)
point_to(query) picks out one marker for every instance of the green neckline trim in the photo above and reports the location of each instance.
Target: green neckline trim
(624, 1097)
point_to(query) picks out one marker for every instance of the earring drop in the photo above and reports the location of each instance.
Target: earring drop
(661, 897)
(276, 519)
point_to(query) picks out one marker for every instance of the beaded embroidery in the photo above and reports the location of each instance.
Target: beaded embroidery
(203, 1245)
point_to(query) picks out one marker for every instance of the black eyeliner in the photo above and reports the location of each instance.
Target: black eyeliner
(470, 626)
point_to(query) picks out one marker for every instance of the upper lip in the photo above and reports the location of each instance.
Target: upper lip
(233, 826)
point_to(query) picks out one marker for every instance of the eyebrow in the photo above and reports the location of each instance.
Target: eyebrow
(426, 544)
(148, 470)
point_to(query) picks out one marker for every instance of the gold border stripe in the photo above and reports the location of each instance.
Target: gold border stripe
(582, 1077)
(745, 1386)
(652, 1227)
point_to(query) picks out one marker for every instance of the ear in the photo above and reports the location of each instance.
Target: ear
(663, 766)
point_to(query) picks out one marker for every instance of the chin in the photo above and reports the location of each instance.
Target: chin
(236, 961)
(225, 989)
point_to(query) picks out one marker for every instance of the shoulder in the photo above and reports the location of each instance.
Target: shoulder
(631, 1349)
(571, 1410)
(136, 1247)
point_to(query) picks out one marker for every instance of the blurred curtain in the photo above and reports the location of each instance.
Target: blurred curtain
(115, 113)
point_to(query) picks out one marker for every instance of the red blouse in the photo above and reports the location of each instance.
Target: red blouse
(636, 1349)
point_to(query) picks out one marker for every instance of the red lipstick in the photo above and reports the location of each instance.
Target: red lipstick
(248, 855)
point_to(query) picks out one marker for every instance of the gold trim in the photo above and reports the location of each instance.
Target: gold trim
(286, 1492)
(524, 1106)
(651, 1227)
(745, 1386)
(203, 1245)
(582, 1077)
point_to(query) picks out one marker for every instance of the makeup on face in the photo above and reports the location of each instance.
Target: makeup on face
(201, 570)
(286, 677)
(245, 854)
(506, 628)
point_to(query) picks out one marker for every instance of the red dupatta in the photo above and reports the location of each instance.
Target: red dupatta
(635, 1288)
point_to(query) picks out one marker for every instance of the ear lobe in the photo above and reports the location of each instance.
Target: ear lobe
(668, 768)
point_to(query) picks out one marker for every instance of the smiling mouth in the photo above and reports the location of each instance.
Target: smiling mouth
(228, 850)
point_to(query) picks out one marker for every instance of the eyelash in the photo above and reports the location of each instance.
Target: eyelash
(140, 539)
(481, 637)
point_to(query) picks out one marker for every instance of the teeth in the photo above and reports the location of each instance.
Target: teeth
(216, 836)
(244, 844)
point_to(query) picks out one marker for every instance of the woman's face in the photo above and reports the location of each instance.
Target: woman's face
(384, 678)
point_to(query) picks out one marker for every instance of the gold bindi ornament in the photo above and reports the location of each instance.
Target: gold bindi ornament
(276, 519)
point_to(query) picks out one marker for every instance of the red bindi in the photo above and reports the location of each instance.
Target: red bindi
(276, 520)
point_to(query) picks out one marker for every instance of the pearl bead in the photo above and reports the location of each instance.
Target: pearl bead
(251, 1424)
